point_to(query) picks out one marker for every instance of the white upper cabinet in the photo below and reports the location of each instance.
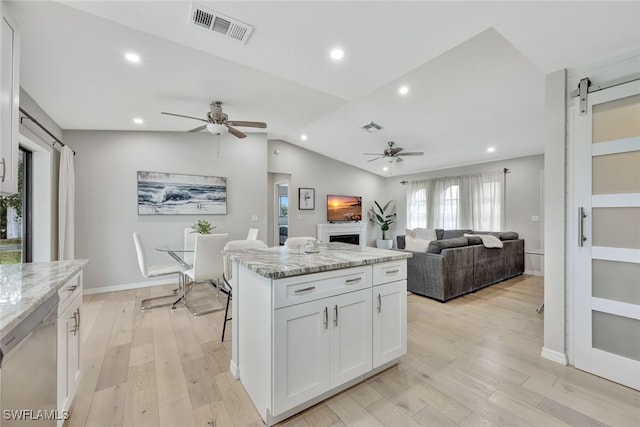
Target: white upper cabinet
(9, 102)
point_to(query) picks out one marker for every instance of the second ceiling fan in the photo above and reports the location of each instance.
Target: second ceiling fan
(218, 122)
(393, 153)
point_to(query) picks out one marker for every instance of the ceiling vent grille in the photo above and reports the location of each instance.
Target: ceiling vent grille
(371, 127)
(219, 23)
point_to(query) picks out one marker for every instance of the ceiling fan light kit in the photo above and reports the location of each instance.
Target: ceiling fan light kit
(216, 129)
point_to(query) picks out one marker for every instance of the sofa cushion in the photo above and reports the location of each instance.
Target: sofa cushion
(452, 234)
(415, 245)
(436, 246)
(502, 235)
(473, 239)
(488, 240)
(508, 235)
(422, 233)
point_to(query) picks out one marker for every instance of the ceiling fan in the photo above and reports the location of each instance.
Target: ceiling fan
(218, 122)
(393, 153)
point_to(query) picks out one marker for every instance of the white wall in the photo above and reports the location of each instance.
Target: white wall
(523, 198)
(106, 168)
(327, 176)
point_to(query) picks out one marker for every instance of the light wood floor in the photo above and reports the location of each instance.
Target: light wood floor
(474, 361)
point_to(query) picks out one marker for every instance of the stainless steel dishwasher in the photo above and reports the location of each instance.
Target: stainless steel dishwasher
(28, 369)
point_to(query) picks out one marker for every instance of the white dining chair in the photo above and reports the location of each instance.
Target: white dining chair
(253, 234)
(150, 271)
(296, 242)
(207, 266)
(227, 288)
(189, 245)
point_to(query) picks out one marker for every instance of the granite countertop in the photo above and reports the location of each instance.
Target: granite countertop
(23, 287)
(279, 261)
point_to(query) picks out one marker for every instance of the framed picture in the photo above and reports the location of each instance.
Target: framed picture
(161, 193)
(306, 198)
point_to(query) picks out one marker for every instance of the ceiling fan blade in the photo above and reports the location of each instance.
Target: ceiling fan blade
(414, 153)
(373, 154)
(247, 124)
(198, 129)
(186, 117)
(236, 132)
(371, 160)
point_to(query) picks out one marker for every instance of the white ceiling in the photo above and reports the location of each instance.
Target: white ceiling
(475, 70)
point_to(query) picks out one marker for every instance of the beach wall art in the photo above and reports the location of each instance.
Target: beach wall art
(161, 193)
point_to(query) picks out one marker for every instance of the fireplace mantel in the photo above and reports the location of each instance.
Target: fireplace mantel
(325, 231)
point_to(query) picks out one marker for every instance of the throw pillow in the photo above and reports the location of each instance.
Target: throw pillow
(416, 245)
(422, 233)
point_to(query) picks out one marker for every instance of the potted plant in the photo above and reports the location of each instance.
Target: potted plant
(384, 216)
(202, 227)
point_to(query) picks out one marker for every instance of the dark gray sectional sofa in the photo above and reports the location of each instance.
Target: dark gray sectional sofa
(455, 265)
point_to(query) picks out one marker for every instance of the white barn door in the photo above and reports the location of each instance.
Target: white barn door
(607, 233)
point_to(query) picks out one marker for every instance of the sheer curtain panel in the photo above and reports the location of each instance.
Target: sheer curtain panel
(66, 206)
(467, 201)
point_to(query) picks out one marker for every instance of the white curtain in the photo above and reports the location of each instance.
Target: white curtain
(468, 201)
(66, 206)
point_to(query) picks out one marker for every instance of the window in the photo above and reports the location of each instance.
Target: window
(15, 216)
(468, 201)
(450, 206)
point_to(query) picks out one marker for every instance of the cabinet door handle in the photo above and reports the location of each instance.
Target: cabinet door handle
(335, 319)
(308, 288)
(326, 318)
(379, 303)
(4, 168)
(75, 323)
(78, 319)
(392, 271)
(354, 280)
(72, 288)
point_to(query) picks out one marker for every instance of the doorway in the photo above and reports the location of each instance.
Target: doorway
(281, 203)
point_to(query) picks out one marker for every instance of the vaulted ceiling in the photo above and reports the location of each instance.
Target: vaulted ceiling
(475, 70)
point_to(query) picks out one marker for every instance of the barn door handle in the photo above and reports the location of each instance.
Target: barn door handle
(581, 216)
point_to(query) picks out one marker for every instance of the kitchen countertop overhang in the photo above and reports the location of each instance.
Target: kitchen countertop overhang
(279, 262)
(23, 287)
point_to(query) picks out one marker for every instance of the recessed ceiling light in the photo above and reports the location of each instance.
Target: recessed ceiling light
(138, 121)
(303, 137)
(337, 54)
(132, 57)
(491, 149)
(385, 168)
(403, 90)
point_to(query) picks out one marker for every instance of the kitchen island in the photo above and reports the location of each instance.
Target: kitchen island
(307, 326)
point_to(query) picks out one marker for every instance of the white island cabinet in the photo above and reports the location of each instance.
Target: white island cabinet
(307, 326)
(69, 341)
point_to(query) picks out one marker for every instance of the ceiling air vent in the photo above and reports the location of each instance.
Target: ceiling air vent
(219, 23)
(371, 127)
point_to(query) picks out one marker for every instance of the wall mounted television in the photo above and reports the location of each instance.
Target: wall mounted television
(344, 208)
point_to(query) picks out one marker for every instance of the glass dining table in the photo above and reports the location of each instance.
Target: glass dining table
(178, 253)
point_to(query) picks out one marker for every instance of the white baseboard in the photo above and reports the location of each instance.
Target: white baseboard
(129, 286)
(554, 356)
(534, 273)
